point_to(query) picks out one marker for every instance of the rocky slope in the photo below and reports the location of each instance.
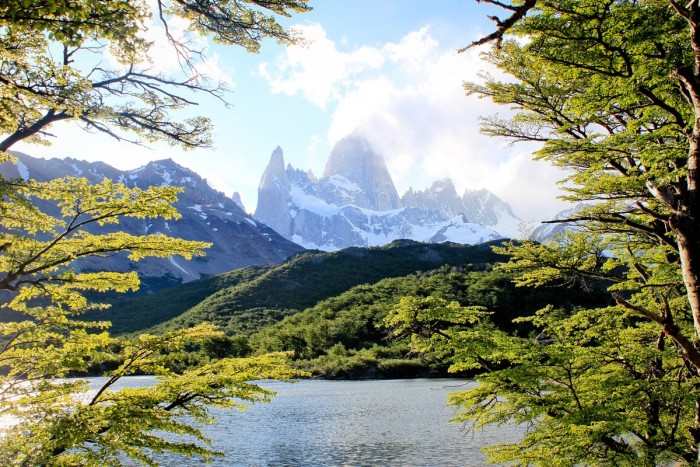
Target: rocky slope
(355, 203)
(207, 215)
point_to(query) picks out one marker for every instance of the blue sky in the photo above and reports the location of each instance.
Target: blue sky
(387, 67)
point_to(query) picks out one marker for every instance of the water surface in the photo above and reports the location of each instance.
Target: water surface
(351, 423)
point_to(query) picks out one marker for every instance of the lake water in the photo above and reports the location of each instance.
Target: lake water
(349, 423)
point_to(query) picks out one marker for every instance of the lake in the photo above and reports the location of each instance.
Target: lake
(349, 423)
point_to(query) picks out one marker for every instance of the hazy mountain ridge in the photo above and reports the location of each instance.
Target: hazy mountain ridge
(207, 215)
(355, 203)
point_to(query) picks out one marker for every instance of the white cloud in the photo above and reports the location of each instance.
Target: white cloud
(407, 97)
(413, 49)
(317, 69)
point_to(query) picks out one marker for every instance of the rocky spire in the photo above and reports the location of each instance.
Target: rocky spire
(236, 198)
(274, 174)
(354, 159)
(273, 195)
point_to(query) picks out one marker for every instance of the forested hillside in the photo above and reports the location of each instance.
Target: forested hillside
(345, 335)
(328, 308)
(246, 299)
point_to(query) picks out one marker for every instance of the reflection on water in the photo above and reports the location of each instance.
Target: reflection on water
(346, 423)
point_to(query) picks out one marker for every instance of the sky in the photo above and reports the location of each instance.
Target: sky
(389, 68)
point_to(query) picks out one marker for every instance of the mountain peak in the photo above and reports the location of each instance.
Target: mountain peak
(165, 172)
(272, 194)
(355, 203)
(169, 162)
(275, 172)
(351, 156)
(236, 198)
(488, 209)
(354, 159)
(276, 164)
(206, 215)
(441, 196)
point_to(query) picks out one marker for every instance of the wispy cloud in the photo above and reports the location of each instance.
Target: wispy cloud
(317, 69)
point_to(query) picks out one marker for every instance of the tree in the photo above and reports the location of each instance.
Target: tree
(609, 88)
(611, 91)
(55, 65)
(42, 339)
(89, 61)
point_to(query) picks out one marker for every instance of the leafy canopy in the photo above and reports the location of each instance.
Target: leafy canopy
(88, 61)
(611, 91)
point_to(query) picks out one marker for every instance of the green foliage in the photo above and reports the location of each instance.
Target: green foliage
(428, 318)
(356, 321)
(55, 64)
(247, 299)
(611, 90)
(596, 386)
(57, 421)
(55, 67)
(598, 391)
(60, 422)
(126, 312)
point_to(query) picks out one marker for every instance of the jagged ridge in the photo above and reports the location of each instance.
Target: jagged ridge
(355, 203)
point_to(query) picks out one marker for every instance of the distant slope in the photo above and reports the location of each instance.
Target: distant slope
(244, 300)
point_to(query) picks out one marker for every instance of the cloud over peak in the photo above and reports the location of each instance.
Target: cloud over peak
(407, 98)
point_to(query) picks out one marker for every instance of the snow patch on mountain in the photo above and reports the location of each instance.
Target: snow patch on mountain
(355, 204)
(459, 230)
(300, 200)
(174, 263)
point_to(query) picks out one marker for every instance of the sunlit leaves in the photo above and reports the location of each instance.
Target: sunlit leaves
(100, 427)
(598, 391)
(243, 23)
(606, 89)
(47, 229)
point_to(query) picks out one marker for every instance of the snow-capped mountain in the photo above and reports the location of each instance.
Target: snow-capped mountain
(207, 215)
(479, 206)
(355, 203)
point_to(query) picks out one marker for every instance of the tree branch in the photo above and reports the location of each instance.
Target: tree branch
(519, 13)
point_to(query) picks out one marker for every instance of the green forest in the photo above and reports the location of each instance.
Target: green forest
(338, 330)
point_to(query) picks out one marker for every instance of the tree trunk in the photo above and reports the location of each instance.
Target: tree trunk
(685, 221)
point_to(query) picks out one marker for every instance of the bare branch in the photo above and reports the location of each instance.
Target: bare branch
(519, 13)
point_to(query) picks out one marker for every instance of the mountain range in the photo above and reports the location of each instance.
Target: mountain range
(355, 203)
(208, 215)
